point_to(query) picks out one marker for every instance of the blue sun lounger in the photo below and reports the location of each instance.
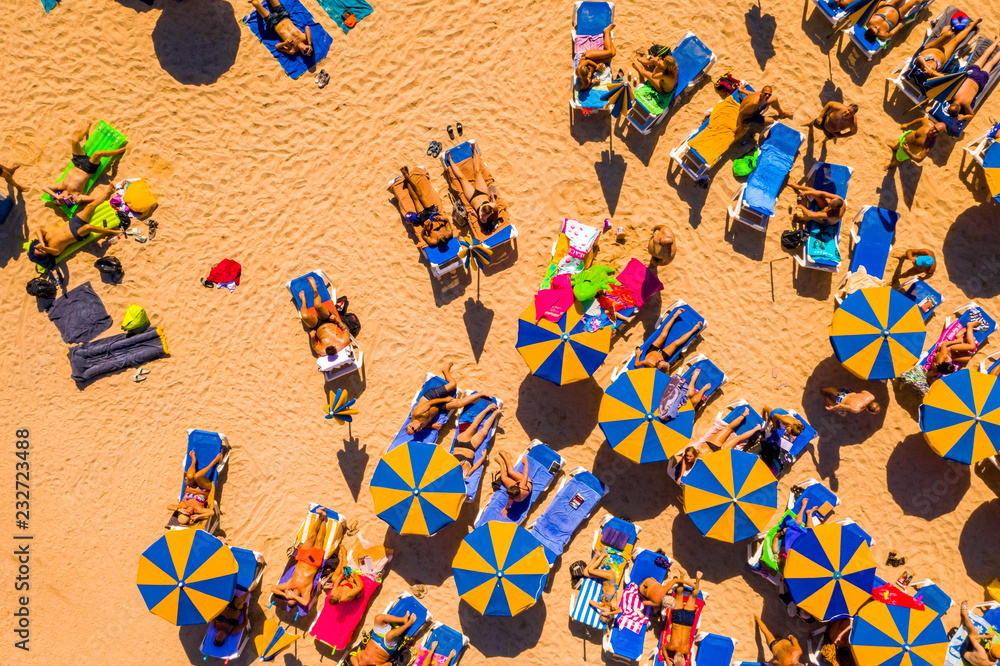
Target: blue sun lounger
(336, 525)
(837, 15)
(694, 60)
(687, 319)
(794, 447)
(398, 607)
(623, 643)
(822, 250)
(925, 296)
(873, 233)
(591, 589)
(350, 359)
(543, 465)
(735, 410)
(251, 568)
(913, 81)
(933, 596)
(722, 136)
(710, 375)
(713, 650)
(814, 496)
(938, 111)
(869, 48)
(428, 434)
(986, 618)
(447, 639)
(574, 502)
(468, 415)
(206, 446)
(754, 202)
(590, 19)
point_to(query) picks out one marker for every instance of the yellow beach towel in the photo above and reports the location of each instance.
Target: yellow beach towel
(719, 134)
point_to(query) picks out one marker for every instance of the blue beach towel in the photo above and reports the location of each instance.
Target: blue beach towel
(336, 8)
(688, 318)
(49, 5)
(876, 233)
(773, 165)
(428, 434)
(299, 65)
(752, 420)
(824, 242)
(572, 505)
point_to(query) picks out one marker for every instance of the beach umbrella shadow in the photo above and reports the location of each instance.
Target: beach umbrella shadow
(497, 636)
(922, 483)
(971, 252)
(979, 543)
(761, 28)
(353, 460)
(611, 174)
(478, 320)
(196, 41)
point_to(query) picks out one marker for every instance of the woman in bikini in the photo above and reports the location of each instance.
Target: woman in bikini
(727, 437)
(194, 503)
(940, 49)
(888, 18)
(471, 436)
(518, 484)
(660, 73)
(607, 604)
(232, 619)
(659, 355)
(593, 61)
(481, 196)
(433, 228)
(953, 355)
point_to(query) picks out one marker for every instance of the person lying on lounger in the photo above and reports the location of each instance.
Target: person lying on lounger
(677, 647)
(791, 529)
(430, 403)
(309, 558)
(661, 247)
(973, 652)
(70, 191)
(660, 72)
(327, 334)
(50, 243)
(755, 105)
(784, 651)
(836, 120)
(978, 75)
(837, 642)
(518, 484)
(783, 424)
(888, 18)
(953, 355)
(294, 41)
(685, 462)
(480, 196)
(727, 437)
(429, 660)
(471, 436)
(346, 583)
(194, 503)
(607, 605)
(844, 400)
(7, 173)
(385, 637)
(658, 355)
(831, 206)
(595, 60)
(940, 49)
(431, 225)
(232, 619)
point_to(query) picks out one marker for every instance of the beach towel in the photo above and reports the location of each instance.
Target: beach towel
(640, 281)
(572, 504)
(80, 315)
(720, 133)
(336, 8)
(653, 100)
(981, 330)
(584, 43)
(49, 5)
(226, 272)
(118, 352)
(674, 397)
(824, 242)
(299, 65)
(773, 165)
(556, 301)
(580, 241)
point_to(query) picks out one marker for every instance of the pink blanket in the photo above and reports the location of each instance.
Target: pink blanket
(641, 281)
(584, 43)
(336, 622)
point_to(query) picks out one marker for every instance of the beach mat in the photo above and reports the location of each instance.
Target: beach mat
(103, 137)
(335, 8)
(299, 65)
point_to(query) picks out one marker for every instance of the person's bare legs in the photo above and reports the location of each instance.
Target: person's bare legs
(661, 339)
(101, 154)
(78, 140)
(987, 63)
(414, 190)
(467, 188)
(200, 478)
(446, 371)
(692, 602)
(477, 167)
(317, 531)
(681, 341)
(508, 475)
(949, 48)
(260, 9)
(7, 173)
(310, 319)
(481, 426)
(723, 435)
(608, 52)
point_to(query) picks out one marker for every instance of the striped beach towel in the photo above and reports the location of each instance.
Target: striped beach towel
(633, 615)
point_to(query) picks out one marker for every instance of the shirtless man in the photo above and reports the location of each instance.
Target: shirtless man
(978, 75)
(70, 191)
(836, 120)
(682, 617)
(973, 652)
(433, 228)
(844, 400)
(194, 503)
(294, 42)
(659, 72)
(430, 403)
(923, 260)
(384, 641)
(327, 334)
(658, 356)
(595, 60)
(831, 206)
(518, 484)
(940, 49)
(918, 137)
(753, 107)
(50, 243)
(471, 436)
(662, 247)
(784, 651)
(309, 558)
(888, 18)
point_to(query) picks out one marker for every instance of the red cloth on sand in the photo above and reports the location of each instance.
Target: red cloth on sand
(227, 270)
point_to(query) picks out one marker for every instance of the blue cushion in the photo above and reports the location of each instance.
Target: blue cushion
(593, 17)
(877, 230)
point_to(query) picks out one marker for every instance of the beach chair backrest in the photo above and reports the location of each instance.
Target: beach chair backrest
(692, 57)
(816, 496)
(710, 375)
(447, 639)
(248, 565)
(794, 447)
(407, 603)
(206, 445)
(591, 18)
(714, 650)
(645, 565)
(935, 598)
(925, 296)
(832, 178)
(981, 335)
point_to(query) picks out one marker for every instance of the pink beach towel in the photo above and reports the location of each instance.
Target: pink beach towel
(584, 43)
(553, 303)
(950, 333)
(641, 281)
(336, 622)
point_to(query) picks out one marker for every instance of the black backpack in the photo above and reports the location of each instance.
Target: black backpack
(350, 320)
(793, 239)
(41, 288)
(111, 267)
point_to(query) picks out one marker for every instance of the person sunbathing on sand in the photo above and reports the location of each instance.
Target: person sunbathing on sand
(471, 436)
(385, 637)
(784, 651)
(940, 49)
(676, 649)
(50, 243)
(595, 60)
(831, 206)
(844, 400)
(658, 356)
(430, 403)
(888, 18)
(518, 484)
(309, 558)
(70, 191)
(753, 107)
(327, 334)
(294, 41)
(194, 503)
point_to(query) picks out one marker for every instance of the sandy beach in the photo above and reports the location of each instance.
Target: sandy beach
(284, 178)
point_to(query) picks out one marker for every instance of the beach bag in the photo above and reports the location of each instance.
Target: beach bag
(576, 572)
(350, 20)
(135, 319)
(496, 483)
(110, 266)
(745, 165)
(350, 320)
(727, 84)
(793, 239)
(41, 288)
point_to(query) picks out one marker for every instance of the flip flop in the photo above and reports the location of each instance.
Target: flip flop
(451, 133)
(434, 149)
(458, 126)
(136, 234)
(139, 377)
(208, 283)
(152, 224)
(322, 78)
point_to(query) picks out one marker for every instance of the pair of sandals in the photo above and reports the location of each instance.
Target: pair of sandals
(140, 375)
(434, 149)
(136, 234)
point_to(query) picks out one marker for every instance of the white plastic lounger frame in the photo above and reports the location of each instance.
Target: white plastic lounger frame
(694, 167)
(977, 149)
(912, 16)
(803, 260)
